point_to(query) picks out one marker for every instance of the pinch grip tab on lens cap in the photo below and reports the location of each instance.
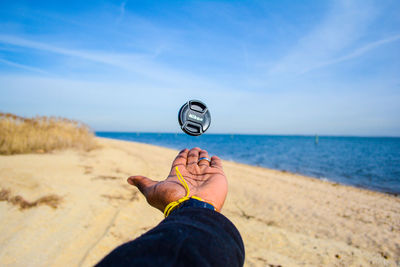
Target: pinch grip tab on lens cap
(194, 117)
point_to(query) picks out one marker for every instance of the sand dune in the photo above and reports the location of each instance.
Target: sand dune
(71, 208)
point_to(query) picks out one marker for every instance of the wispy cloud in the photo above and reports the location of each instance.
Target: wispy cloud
(343, 26)
(121, 11)
(356, 53)
(139, 63)
(22, 66)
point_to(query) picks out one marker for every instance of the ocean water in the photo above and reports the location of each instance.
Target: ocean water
(368, 162)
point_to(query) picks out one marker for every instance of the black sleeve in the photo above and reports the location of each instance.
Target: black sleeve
(190, 236)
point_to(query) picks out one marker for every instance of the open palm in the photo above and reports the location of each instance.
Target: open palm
(205, 180)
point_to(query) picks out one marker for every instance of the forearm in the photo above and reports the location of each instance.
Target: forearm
(188, 237)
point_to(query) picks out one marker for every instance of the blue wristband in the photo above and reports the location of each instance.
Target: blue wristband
(194, 203)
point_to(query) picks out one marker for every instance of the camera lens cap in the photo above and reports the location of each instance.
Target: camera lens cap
(194, 117)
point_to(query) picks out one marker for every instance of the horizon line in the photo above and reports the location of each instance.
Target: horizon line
(259, 134)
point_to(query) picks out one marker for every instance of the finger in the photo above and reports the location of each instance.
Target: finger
(181, 159)
(142, 183)
(216, 162)
(193, 156)
(203, 162)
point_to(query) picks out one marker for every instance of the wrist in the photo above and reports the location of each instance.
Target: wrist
(193, 202)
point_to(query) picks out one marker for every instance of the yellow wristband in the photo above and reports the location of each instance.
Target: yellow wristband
(171, 206)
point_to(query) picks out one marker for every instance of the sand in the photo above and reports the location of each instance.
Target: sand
(70, 208)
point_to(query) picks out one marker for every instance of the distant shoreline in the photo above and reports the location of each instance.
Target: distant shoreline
(324, 179)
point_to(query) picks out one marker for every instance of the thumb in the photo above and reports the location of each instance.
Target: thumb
(142, 183)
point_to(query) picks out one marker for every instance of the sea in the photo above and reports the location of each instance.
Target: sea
(367, 162)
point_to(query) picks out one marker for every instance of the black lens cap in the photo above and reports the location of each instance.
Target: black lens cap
(194, 117)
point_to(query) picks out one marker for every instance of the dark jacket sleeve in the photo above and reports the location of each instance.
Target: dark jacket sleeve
(190, 236)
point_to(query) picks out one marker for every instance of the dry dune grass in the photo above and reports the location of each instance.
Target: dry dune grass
(42, 134)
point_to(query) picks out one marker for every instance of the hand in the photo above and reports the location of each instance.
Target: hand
(205, 180)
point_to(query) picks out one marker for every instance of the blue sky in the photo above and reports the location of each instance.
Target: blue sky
(265, 67)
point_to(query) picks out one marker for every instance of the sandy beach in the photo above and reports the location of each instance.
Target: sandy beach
(70, 208)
